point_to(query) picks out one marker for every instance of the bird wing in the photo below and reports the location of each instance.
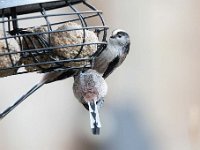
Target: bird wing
(100, 49)
(126, 50)
(112, 65)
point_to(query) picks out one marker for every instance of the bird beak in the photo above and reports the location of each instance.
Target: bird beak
(112, 36)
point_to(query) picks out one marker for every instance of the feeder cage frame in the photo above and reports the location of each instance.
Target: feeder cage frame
(13, 12)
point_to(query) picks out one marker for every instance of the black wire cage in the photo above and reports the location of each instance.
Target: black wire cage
(31, 25)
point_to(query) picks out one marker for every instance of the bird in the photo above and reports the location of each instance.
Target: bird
(90, 88)
(113, 54)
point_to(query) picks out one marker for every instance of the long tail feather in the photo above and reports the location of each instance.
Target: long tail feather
(21, 99)
(95, 122)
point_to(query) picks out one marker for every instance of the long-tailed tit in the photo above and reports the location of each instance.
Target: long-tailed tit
(47, 78)
(90, 89)
(114, 54)
(109, 59)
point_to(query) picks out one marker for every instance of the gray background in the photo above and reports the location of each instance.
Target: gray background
(153, 99)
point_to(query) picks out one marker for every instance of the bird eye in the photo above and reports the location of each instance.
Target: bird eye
(119, 36)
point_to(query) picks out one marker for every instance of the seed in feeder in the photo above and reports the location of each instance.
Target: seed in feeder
(35, 42)
(8, 60)
(73, 37)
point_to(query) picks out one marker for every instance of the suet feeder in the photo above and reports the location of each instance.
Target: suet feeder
(49, 35)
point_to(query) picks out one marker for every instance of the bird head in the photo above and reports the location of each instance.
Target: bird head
(119, 37)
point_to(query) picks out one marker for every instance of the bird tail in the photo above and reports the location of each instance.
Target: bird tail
(95, 122)
(21, 99)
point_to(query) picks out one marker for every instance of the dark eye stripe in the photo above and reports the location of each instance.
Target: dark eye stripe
(122, 34)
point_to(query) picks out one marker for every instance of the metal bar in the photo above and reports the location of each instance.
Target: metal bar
(53, 15)
(38, 33)
(49, 62)
(51, 48)
(100, 15)
(43, 12)
(84, 24)
(6, 40)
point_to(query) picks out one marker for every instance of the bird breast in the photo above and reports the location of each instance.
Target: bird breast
(89, 86)
(102, 61)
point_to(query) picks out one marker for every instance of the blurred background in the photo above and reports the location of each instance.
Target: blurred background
(153, 101)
